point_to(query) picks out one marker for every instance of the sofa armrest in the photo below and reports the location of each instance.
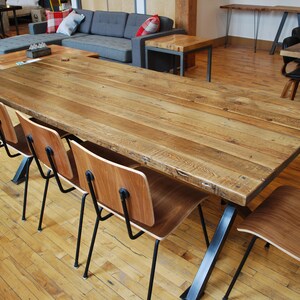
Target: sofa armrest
(38, 27)
(138, 45)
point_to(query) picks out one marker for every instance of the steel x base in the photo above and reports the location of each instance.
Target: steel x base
(197, 288)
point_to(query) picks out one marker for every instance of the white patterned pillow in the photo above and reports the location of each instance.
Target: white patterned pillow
(69, 24)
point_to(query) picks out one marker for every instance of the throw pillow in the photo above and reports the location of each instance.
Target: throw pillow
(151, 25)
(54, 18)
(69, 24)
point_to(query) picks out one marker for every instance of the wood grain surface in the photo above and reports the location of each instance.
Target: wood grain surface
(179, 42)
(10, 59)
(226, 140)
(293, 51)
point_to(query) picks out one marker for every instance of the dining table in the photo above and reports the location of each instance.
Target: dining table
(292, 51)
(229, 141)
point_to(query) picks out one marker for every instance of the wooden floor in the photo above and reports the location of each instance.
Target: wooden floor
(37, 265)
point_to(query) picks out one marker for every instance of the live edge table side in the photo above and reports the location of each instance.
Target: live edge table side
(229, 141)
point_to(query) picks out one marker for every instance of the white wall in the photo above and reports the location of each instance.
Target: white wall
(212, 19)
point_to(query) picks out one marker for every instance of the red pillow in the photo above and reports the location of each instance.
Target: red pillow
(54, 18)
(151, 25)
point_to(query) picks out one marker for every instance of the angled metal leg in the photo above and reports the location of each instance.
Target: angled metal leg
(209, 61)
(229, 13)
(76, 265)
(86, 271)
(44, 200)
(28, 162)
(273, 48)
(203, 225)
(256, 27)
(239, 269)
(20, 175)
(198, 286)
(153, 269)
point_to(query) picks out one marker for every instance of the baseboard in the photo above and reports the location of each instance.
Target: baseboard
(245, 42)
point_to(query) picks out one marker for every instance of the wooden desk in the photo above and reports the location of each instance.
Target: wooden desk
(258, 9)
(12, 8)
(293, 51)
(181, 45)
(229, 141)
(10, 59)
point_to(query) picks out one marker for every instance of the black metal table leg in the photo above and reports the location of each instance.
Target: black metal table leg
(229, 13)
(209, 60)
(198, 286)
(2, 27)
(284, 16)
(20, 175)
(16, 22)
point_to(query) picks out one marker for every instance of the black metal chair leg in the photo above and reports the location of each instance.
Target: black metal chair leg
(203, 225)
(76, 265)
(44, 200)
(239, 269)
(153, 269)
(28, 162)
(86, 271)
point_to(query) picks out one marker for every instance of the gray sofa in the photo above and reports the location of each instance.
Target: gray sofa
(111, 34)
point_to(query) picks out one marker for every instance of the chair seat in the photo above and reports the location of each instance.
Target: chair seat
(294, 74)
(277, 220)
(173, 201)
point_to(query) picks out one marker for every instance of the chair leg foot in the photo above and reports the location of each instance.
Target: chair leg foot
(286, 88)
(155, 251)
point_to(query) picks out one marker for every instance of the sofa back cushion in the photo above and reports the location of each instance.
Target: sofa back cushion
(86, 24)
(134, 22)
(166, 24)
(109, 23)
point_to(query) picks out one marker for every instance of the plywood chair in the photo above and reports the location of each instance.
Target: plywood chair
(13, 137)
(148, 201)
(48, 149)
(294, 75)
(277, 222)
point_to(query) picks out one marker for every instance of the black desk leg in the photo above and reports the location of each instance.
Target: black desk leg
(198, 286)
(209, 60)
(229, 13)
(284, 16)
(21, 172)
(16, 22)
(256, 28)
(2, 27)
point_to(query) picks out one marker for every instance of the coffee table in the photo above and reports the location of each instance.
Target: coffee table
(181, 45)
(10, 59)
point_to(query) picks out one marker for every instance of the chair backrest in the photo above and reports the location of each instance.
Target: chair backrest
(6, 125)
(43, 137)
(288, 42)
(109, 177)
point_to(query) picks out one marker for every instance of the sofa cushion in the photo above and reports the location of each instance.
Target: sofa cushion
(69, 25)
(86, 24)
(54, 18)
(166, 24)
(21, 42)
(134, 22)
(151, 25)
(108, 47)
(109, 23)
